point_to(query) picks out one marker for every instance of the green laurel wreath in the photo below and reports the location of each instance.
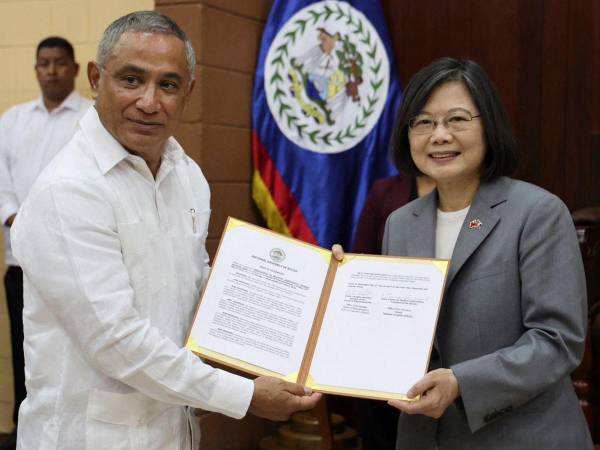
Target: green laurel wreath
(284, 110)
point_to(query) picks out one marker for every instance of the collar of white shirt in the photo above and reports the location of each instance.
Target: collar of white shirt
(71, 102)
(109, 152)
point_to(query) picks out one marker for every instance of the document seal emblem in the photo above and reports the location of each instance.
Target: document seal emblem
(277, 254)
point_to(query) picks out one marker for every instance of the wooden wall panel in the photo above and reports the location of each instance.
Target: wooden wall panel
(581, 186)
(595, 156)
(528, 95)
(596, 69)
(544, 57)
(254, 9)
(550, 150)
(493, 22)
(416, 36)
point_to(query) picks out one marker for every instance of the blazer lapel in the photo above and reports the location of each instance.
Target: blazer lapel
(479, 223)
(422, 242)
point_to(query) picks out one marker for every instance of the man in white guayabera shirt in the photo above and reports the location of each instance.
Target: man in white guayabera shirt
(30, 136)
(112, 243)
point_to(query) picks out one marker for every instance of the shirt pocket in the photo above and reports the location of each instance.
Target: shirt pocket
(144, 255)
(134, 240)
(120, 420)
(134, 249)
(484, 288)
(488, 271)
(493, 291)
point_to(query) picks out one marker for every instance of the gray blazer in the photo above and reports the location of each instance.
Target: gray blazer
(512, 324)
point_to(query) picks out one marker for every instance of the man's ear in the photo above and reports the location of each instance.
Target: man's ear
(188, 93)
(76, 69)
(93, 73)
(191, 88)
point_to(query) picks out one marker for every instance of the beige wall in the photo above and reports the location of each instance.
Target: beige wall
(23, 23)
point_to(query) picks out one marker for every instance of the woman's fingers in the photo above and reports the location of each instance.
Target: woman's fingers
(338, 252)
(438, 389)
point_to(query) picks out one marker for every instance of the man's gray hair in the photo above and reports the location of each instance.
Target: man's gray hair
(143, 22)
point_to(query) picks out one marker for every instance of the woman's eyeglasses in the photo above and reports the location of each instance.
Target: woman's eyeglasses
(455, 121)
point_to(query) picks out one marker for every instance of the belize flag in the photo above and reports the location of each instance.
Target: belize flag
(324, 103)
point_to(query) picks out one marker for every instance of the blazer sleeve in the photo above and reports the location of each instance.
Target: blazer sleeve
(553, 308)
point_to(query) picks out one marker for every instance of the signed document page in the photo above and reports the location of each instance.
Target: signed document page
(277, 306)
(378, 328)
(259, 305)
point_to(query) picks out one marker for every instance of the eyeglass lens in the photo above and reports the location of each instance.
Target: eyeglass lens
(454, 121)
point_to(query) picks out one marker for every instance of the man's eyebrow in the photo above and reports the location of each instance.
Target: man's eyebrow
(174, 76)
(130, 68)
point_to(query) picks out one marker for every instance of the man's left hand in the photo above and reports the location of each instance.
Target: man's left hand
(276, 399)
(437, 388)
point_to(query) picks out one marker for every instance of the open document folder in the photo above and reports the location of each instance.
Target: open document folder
(277, 306)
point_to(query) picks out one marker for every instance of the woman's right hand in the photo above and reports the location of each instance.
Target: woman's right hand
(438, 389)
(338, 252)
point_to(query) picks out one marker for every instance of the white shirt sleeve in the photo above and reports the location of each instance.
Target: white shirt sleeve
(66, 239)
(9, 204)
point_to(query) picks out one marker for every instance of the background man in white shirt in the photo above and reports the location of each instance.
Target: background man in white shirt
(30, 136)
(112, 243)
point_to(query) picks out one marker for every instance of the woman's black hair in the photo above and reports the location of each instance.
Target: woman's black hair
(501, 148)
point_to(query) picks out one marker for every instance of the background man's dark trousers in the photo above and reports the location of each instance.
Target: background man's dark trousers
(13, 285)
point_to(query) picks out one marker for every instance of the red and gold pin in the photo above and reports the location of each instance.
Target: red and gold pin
(475, 224)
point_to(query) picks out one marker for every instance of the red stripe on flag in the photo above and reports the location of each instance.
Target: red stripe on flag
(282, 197)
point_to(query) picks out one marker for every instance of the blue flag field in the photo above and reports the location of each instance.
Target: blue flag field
(324, 102)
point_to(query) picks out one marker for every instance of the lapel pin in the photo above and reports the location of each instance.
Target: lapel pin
(475, 224)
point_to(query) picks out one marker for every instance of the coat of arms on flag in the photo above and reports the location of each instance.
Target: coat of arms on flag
(326, 77)
(325, 97)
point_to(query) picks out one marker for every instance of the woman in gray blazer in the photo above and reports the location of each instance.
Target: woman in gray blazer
(512, 324)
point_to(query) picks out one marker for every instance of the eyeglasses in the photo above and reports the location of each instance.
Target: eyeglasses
(455, 121)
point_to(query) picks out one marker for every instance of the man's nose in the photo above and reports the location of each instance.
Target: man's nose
(148, 100)
(51, 68)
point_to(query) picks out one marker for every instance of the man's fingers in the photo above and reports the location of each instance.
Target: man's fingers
(296, 403)
(277, 399)
(296, 389)
(307, 401)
